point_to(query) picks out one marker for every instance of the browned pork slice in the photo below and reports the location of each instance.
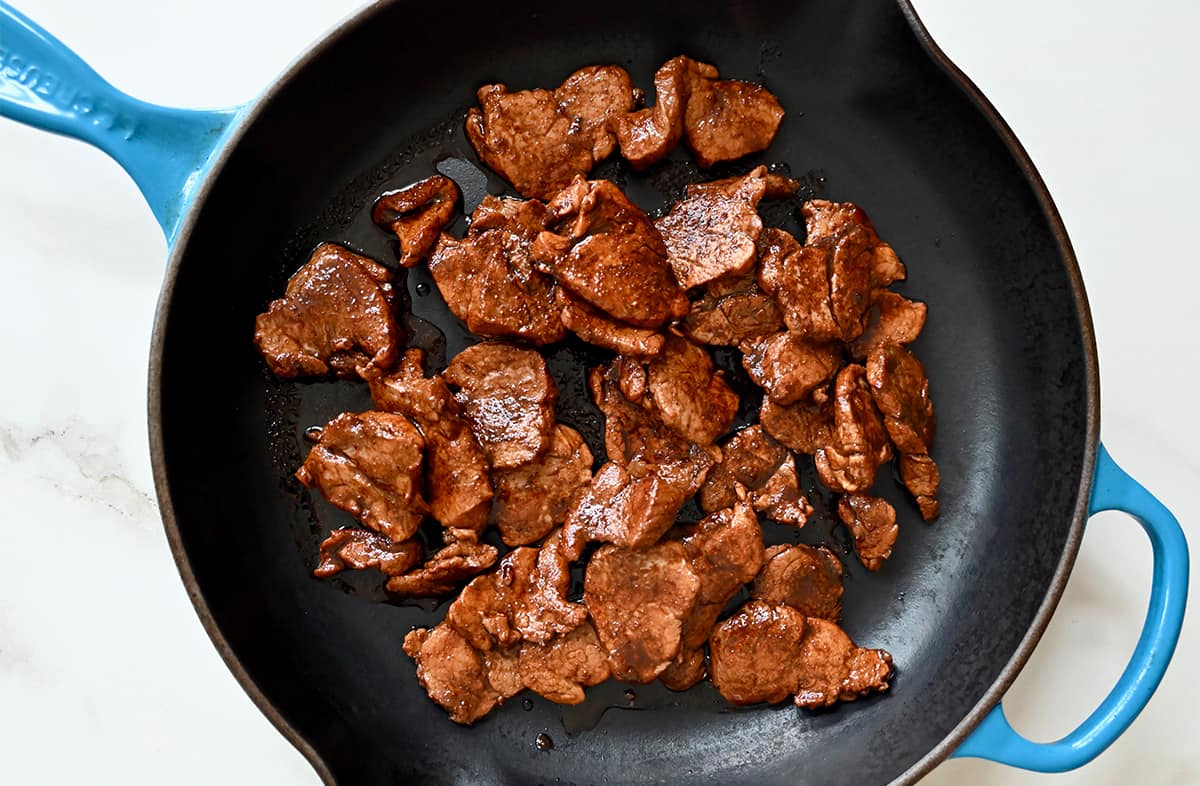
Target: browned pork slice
(605, 250)
(805, 426)
(595, 327)
(858, 444)
(798, 278)
(539, 140)
(893, 319)
(562, 667)
(524, 599)
(807, 578)
(825, 220)
(725, 550)
(531, 500)
(732, 311)
(639, 600)
(872, 522)
(359, 549)
(765, 652)
(336, 315)
(507, 395)
(456, 481)
(726, 119)
(462, 557)
(711, 235)
(758, 183)
(788, 366)
(461, 680)
(648, 135)
(688, 394)
(370, 465)
(488, 279)
(417, 214)
(901, 392)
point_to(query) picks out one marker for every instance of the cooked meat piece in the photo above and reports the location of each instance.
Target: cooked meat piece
(635, 433)
(753, 653)
(540, 609)
(806, 578)
(560, 668)
(688, 668)
(725, 549)
(524, 599)
(649, 135)
(710, 235)
(591, 97)
(727, 118)
(417, 214)
(369, 465)
(798, 278)
(833, 669)
(539, 140)
(336, 314)
(639, 600)
(631, 507)
(901, 392)
(765, 652)
(606, 251)
(872, 522)
(774, 186)
(749, 459)
(921, 478)
(805, 426)
(507, 395)
(787, 366)
(488, 280)
(732, 311)
(688, 394)
(456, 483)
(480, 613)
(603, 331)
(780, 498)
(824, 220)
(358, 549)
(858, 444)
(407, 391)
(462, 557)
(503, 671)
(893, 319)
(850, 280)
(455, 675)
(532, 500)
(522, 218)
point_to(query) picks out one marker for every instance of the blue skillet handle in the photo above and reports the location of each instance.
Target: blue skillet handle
(166, 151)
(995, 739)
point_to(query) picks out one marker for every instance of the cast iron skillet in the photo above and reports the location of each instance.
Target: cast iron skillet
(877, 115)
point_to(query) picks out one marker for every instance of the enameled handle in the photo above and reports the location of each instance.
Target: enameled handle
(166, 151)
(996, 739)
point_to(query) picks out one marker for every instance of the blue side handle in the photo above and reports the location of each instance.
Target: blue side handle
(166, 151)
(995, 738)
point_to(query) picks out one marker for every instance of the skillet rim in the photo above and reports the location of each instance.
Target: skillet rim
(1021, 158)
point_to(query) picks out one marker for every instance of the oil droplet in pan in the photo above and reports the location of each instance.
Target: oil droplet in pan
(543, 742)
(630, 696)
(527, 705)
(313, 433)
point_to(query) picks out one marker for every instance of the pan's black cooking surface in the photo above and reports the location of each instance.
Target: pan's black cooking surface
(871, 119)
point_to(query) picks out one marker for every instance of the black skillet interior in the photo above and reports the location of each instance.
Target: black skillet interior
(870, 118)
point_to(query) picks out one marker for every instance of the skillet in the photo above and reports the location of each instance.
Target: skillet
(877, 115)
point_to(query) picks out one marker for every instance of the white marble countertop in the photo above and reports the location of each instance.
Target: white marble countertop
(105, 673)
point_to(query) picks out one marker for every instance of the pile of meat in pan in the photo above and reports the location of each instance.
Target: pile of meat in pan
(477, 446)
